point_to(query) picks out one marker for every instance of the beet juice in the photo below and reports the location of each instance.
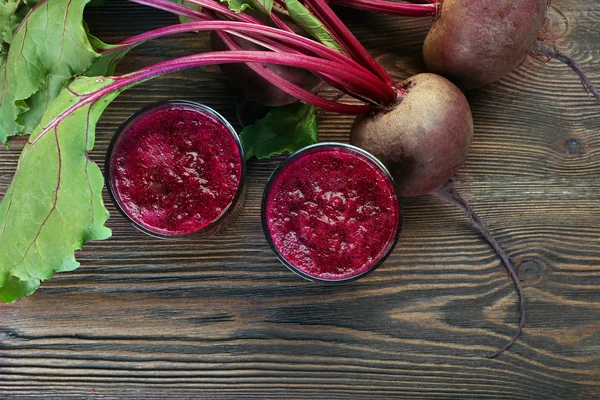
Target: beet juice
(331, 213)
(176, 168)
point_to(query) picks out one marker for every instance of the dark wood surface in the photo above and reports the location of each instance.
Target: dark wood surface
(221, 318)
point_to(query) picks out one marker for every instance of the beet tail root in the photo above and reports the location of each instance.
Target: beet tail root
(551, 52)
(449, 194)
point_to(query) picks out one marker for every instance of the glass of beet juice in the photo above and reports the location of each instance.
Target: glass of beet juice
(331, 213)
(176, 169)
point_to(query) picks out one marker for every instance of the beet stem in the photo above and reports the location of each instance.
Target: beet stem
(325, 14)
(551, 52)
(421, 9)
(344, 85)
(449, 194)
(361, 83)
(312, 64)
(370, 89)
(175, 8)
(275, 18)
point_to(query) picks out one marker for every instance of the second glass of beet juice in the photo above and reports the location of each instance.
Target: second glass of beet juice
(331, 213)
(177, 169)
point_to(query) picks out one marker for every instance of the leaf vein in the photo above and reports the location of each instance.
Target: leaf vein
(87, 161)
(63, 31)
(43, 224)
(288, 130)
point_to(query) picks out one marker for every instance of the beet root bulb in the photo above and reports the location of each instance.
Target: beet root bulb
(424, 139)
(476, 42)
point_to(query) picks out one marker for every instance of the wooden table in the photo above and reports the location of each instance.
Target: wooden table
(221, 318)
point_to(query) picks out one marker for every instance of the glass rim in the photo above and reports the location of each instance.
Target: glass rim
(267, 233)
(124, 127)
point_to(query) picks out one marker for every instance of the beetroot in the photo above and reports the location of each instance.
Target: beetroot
(477, 42)
(423, 140)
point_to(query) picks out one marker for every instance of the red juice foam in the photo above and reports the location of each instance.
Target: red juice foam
(332, 213)
(175, 170)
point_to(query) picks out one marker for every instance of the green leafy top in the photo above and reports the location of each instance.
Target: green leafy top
(288, 128)
(311, 24)
(110, 55)
(54, 203)
(239, 6)
(299, 14)
(8, 8)
(12, 13)
(50, 47)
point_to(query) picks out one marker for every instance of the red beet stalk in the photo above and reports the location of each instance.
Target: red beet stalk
(422, 9)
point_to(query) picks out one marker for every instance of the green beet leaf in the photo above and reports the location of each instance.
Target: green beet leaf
(12, 13)
(54, 203)
(110, 55)
(288, 128)
(311, 24)
(46, 52)
(264, 6)
(8, 9)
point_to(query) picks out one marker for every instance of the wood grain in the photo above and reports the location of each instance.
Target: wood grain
(221, 318)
